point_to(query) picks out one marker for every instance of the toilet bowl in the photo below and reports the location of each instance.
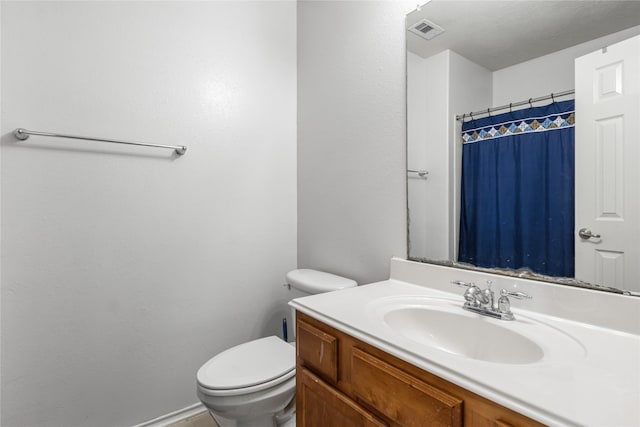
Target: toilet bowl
(253, 384)
(247, 385)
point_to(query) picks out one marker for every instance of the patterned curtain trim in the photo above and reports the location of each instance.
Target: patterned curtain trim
(520, 126)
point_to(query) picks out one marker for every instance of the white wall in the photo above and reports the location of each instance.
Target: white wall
(439, 87)
(427, 148)
(547, 74)
(124, 269)
(417, 157)
(1, 316)
(351, 136)
(470, 89)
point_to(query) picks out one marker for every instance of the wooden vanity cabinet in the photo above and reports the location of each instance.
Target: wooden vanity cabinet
(325, 406)
(342, 381)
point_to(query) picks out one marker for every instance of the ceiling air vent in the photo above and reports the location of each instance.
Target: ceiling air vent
(426, 29)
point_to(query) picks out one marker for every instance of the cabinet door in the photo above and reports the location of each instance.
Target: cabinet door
(403, 398)
(320, 405)
(318, 350)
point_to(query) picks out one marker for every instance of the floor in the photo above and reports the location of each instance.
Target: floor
(202, 419)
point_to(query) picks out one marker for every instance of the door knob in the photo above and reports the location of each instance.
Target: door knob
(585, 234)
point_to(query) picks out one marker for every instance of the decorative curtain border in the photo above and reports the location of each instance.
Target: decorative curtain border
(475, 131)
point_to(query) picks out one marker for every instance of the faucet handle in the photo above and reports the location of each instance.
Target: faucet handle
(462, 284)
(516, 295)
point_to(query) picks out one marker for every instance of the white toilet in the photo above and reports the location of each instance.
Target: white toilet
(253, 384)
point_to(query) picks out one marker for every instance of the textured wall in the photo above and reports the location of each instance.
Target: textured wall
(351, 136)
(124, 269)
(549, 73)
(427, 148)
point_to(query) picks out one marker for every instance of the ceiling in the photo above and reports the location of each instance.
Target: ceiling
(498, 34)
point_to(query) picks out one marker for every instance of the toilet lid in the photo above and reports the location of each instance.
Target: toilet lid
(248, 364)
(316, 282)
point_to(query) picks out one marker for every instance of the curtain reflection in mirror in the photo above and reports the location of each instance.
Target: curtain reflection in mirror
(517, 192)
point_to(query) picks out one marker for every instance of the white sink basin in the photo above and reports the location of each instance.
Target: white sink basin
(463, 335)
(443, 325)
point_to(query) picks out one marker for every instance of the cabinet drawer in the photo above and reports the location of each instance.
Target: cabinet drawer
(399, 396)
(320, 405)
(318, 350)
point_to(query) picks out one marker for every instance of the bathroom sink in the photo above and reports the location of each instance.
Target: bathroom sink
(443, 325)
(463, 335)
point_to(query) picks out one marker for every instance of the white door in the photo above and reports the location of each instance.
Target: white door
(608, 165)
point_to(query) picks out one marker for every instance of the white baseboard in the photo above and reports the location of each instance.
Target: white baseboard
(174, 417)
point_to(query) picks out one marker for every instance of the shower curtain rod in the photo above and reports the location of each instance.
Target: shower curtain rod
(514, 104)
(23, 134)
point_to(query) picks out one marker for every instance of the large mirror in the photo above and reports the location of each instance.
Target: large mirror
(487, 80)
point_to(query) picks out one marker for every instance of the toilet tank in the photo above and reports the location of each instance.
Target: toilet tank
(310, 282)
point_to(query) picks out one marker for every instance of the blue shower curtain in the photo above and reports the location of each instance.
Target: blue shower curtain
(517, 195)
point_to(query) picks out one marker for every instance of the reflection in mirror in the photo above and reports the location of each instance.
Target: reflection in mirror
(506, 170)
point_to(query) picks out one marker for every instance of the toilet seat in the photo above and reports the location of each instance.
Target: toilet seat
(249, 367)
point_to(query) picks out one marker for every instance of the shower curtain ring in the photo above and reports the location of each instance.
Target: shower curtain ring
(471, 115)
(463, 116)
(553, 100)
(530, 106)
(510, 107)
(489, 111)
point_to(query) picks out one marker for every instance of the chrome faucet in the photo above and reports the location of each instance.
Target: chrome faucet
(483, 301)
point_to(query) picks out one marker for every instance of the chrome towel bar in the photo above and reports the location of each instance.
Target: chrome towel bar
(23, 134)
(421, 173)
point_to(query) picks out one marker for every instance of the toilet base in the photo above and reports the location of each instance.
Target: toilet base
(273, 421)
(257, 422)
(265, 408)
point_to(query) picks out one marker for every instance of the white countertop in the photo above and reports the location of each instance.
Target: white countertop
(597, 384)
